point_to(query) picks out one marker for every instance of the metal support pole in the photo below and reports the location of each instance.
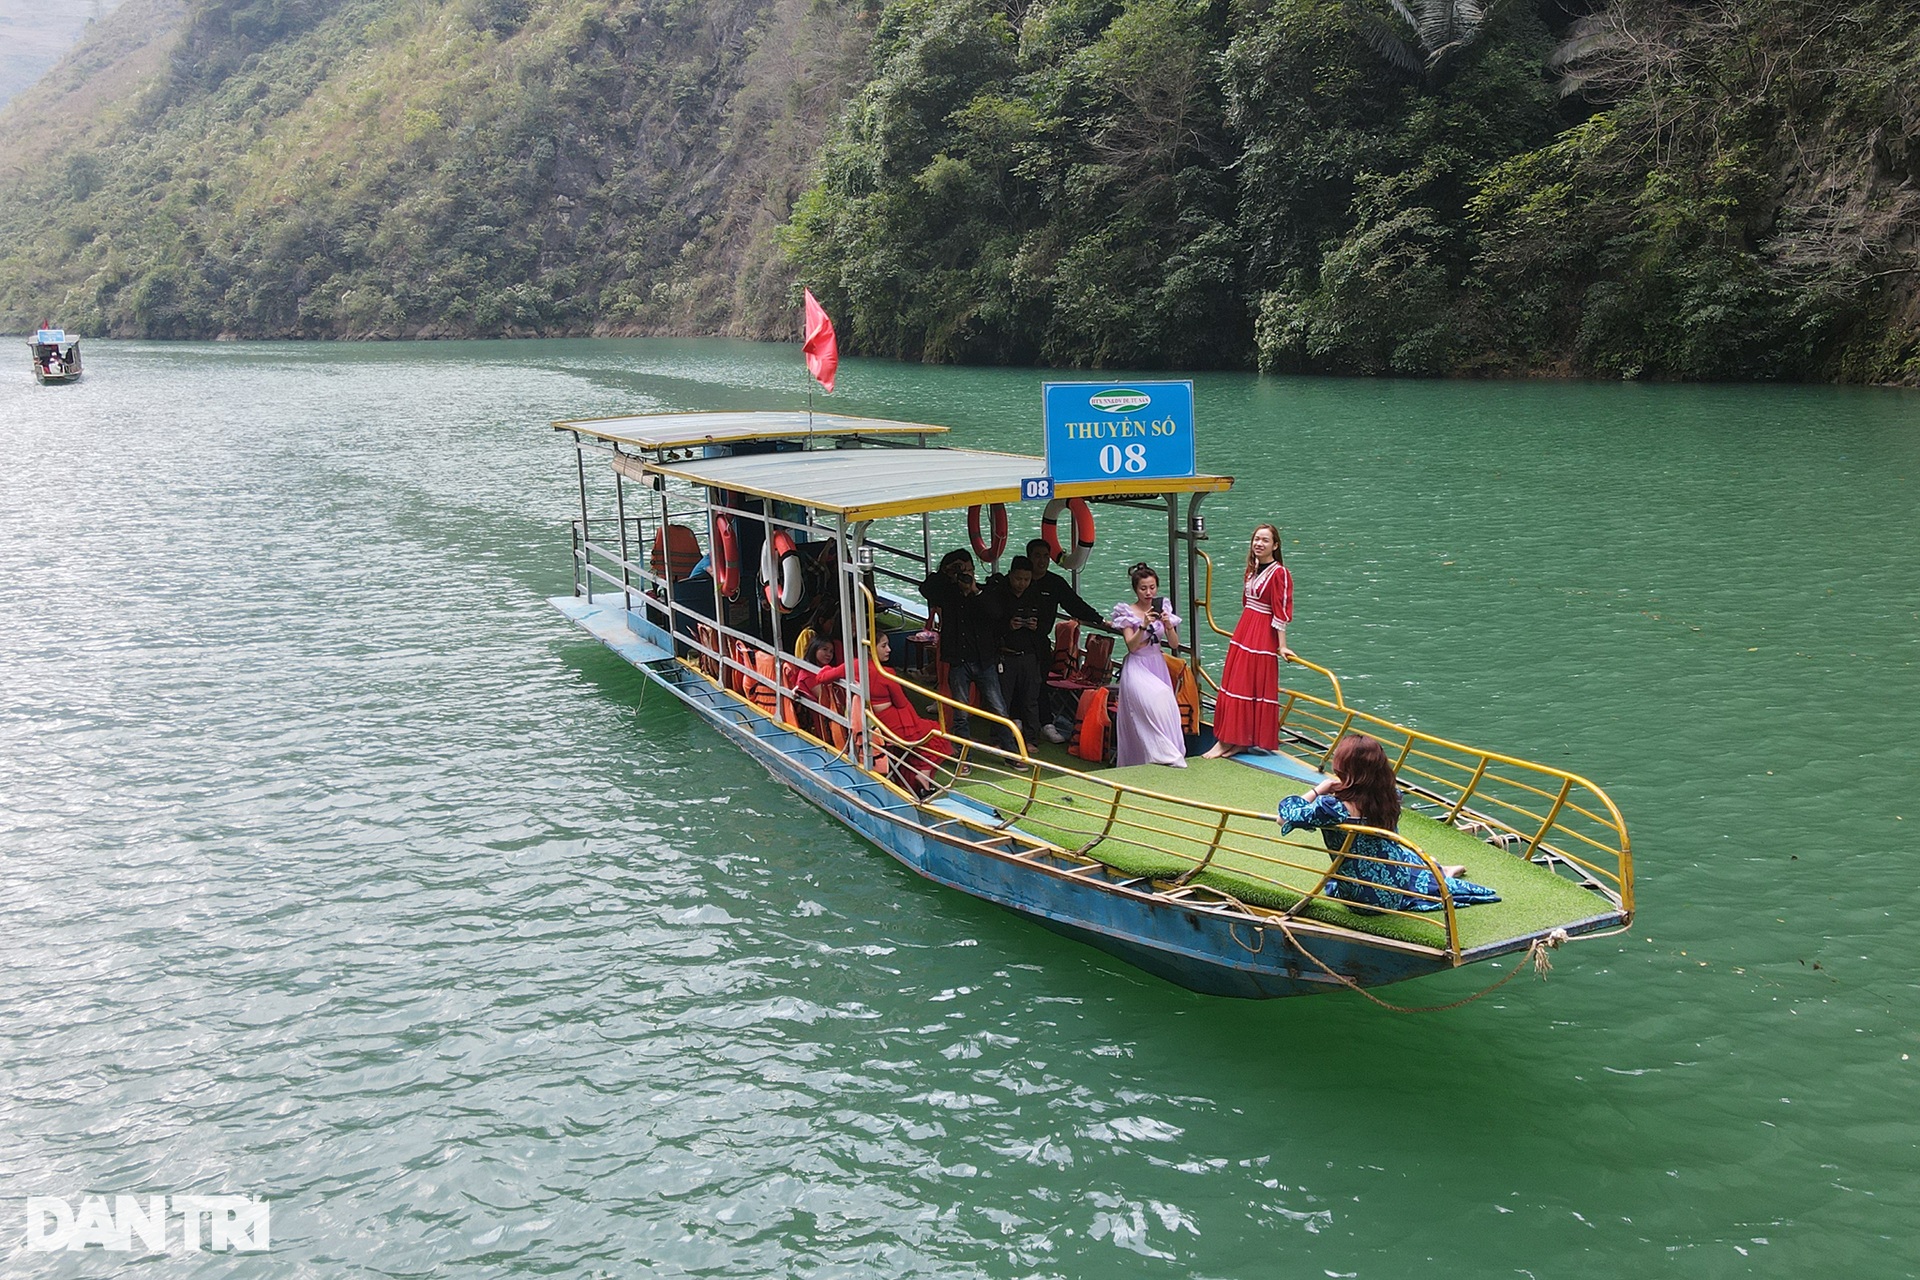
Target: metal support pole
(1174, 539)
(666, 545)
(772, 592)
(1196, 533)
(856, 678)
(586, 532)
(626, 558)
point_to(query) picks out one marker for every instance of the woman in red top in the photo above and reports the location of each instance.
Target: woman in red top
(1246, 712)
(891, 708)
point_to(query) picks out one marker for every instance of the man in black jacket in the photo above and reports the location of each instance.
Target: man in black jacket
(1026, 648)
(1057, 594)
(970, 627)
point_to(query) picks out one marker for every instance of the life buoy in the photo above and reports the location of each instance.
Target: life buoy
(1082, 532)
(997, 520)
(726, 557)
(779, 556)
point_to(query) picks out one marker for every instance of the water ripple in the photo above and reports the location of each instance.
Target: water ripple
(340, 871)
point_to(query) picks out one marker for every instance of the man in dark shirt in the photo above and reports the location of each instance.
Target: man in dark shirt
(1026, 648)
(1057, 594)
(969, 639)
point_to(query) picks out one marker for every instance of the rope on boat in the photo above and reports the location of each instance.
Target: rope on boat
(1536, 951)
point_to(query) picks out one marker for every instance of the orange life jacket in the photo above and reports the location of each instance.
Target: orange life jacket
(753, 675)
(1094, 725)
(1186, 691)
(709, 641)
(789, 677)
(763, 690)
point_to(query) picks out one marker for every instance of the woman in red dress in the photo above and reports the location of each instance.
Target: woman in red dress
(891, 708)
(1246, 713)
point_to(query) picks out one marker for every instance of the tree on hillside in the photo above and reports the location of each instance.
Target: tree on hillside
(1430, 36)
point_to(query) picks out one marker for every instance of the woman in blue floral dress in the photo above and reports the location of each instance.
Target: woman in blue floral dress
(1362, 789)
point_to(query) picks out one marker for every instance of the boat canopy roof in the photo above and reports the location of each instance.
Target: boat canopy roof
(654, 431)
(871, 484)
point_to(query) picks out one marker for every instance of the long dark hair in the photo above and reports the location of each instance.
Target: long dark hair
(1366, 781)
(1253, 565)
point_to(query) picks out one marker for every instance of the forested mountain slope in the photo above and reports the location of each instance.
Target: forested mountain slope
(34, 36)
(1660, 188)
(333, 168)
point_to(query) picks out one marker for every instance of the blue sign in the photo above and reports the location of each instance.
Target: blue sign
(1038, 489)
(1118, 430)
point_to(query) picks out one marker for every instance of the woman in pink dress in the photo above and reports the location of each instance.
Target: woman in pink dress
(1246, 713)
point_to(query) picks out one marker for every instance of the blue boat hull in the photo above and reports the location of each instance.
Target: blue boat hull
(1193, 946)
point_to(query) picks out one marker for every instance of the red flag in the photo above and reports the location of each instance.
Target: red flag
(821, 348)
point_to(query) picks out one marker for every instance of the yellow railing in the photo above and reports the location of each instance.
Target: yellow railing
(1540, 809)
(1206, 603)
(1548, 811)
(962, 743)
(940, 699)
(1192, 837)
(1535, 805)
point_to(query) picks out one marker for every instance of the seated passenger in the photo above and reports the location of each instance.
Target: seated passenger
(916, 742)
(818, 653)
(1362, 790)
(823, 624)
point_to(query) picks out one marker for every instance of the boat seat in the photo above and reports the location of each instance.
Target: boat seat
(675, 547)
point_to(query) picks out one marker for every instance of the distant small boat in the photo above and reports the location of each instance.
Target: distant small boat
(56, 355)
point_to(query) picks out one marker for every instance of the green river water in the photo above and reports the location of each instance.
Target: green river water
(340, 870)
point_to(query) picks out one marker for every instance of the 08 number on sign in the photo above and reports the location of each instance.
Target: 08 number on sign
(1114, 432)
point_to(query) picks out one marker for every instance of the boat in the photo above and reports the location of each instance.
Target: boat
(56, 355)
(1183, 873)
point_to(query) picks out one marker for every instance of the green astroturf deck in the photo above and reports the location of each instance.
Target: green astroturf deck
(1532, 898)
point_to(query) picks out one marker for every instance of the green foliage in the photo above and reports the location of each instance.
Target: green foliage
(1053, 193)
(1656, 189)
(1735, 211)
(1355, 199)
(355, 168)
(1428, 36)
